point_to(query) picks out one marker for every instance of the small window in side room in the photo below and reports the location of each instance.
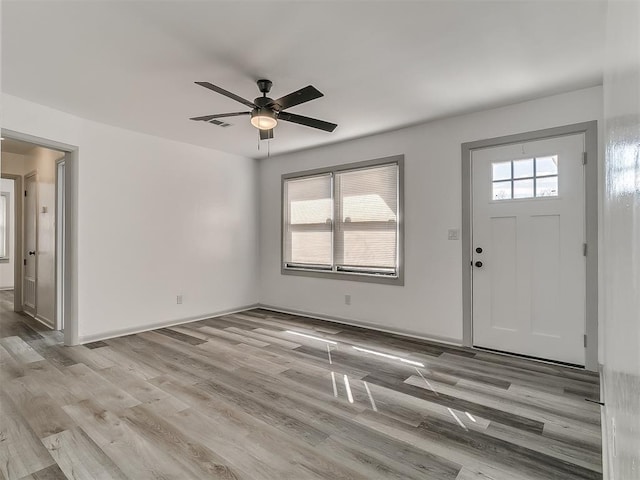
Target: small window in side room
(4, 225)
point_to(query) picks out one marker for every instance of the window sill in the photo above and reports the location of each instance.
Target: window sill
(397, 280)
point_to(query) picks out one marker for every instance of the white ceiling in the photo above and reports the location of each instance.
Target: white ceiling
(381, 64)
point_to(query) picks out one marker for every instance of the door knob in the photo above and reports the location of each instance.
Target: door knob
(32, 253)
(479, 250)
(478, 264)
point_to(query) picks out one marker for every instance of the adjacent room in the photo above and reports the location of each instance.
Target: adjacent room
(320, 239)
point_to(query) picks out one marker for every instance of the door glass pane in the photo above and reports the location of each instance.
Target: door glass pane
(547, 187)
(523, 188)
(547, 165)
(523, 168)
(501, 171)
(502, 190)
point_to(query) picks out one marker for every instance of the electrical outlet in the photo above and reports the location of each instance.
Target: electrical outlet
(179, 299)
(454, 234)
(347, 299)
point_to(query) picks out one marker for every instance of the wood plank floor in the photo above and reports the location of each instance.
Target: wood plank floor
(263, 395)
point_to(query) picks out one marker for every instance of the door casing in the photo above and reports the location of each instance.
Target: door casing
(590, 130)
(60, 243)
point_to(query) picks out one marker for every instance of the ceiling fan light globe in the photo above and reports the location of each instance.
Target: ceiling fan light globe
(263, 120)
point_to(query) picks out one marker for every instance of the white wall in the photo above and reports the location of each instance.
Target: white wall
(622, 244)
(6, 268)
(43, 162)
(430, 303)
(156, 218)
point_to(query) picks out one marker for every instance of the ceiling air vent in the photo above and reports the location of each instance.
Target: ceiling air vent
(219, 123)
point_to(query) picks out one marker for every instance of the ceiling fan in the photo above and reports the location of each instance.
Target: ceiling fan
(265, 112)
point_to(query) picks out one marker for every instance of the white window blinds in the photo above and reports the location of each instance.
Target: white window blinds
(308, 222)
(367, 219)
(344, 221)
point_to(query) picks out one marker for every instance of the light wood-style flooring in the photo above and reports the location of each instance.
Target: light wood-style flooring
(263, 395)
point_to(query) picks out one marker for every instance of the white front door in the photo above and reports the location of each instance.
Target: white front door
(30, 244)
(528, 248)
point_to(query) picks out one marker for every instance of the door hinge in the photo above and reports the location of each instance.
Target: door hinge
(584, 158)
(584, 249)
(25, 193)
(585, 341)
(25, 262)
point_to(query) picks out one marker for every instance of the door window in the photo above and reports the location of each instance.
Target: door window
(525, 178)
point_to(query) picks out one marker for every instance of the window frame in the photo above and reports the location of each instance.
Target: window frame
(397, 279)
(6, 257)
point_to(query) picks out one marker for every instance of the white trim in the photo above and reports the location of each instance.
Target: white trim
(59, 255)
(44, 320)
(170, 323)
(370, 326)
(38, 318)
(607, 474)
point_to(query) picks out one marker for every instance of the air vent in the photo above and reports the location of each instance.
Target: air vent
(219, 123)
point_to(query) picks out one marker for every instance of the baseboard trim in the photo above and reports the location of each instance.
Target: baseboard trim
(370, 326)
(44, 320)
(607, 449)
(171, 323)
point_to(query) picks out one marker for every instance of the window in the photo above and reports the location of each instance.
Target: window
(345, 222)
(4, 226)
(526, 178)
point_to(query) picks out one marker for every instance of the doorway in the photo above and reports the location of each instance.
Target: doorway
(530, 246)
(48, 223)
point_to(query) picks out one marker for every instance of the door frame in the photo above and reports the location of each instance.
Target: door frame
(590, 131)
(69, 284)
(59, 244)
(34, 174)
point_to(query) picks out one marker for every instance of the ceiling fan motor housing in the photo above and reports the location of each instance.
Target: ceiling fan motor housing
(263, 103)
(264, 85)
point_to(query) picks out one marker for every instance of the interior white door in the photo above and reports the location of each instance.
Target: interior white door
(30, 244)
(528, 248)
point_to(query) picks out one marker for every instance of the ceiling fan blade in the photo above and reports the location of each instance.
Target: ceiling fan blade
(206, 118)
(303, 95)
(266, 134)
(224, 92)
(306, 121)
